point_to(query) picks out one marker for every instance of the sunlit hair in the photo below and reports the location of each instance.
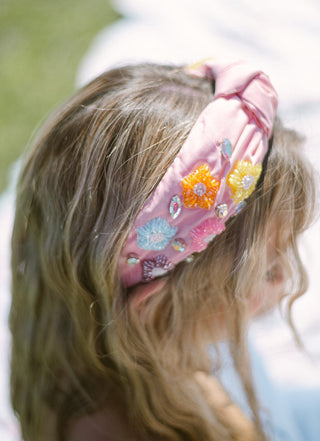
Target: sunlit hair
(78, 339)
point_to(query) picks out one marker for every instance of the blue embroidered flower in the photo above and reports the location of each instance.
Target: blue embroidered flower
(155, 234)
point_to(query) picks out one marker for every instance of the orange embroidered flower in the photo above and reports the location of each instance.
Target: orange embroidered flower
(243, 180)
(200, 188)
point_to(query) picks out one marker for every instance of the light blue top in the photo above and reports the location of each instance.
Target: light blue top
(287, 414)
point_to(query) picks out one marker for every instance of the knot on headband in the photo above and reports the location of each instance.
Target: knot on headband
(240, 78)
(216, 169)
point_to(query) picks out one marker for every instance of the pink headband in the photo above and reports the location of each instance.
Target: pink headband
(216, 169)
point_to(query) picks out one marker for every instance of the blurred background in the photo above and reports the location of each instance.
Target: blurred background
(41, 45)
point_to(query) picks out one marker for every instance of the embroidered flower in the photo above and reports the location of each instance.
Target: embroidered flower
(243, 179)
(155, 234)
(200, 188)
(205, 233)
(156, 267)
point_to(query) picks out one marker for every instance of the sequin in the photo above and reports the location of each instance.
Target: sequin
(175, 207)
(178, 244)
(152, 268)
(200, 188)
(205, 233)
(132, 259)
(222, 210)
(243, 179)
(155, 234)
(226, 148)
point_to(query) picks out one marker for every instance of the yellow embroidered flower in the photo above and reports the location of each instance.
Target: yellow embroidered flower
(243, 179)
(200, 188)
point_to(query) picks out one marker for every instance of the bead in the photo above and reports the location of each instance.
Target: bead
(247, 181)
(132, 259)
(226, 148)
(222, 210)
(189, 259)
(175, 207)
(178, 245)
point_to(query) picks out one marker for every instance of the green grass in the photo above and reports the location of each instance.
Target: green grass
(41, 45)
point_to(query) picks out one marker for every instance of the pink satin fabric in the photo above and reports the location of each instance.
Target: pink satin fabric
(243, 111)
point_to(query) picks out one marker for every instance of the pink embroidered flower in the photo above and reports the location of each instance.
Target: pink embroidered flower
(205, 233)
(152, 268)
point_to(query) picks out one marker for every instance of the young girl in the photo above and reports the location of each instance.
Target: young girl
(157, 212)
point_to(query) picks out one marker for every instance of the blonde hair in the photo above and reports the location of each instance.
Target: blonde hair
(77, 338)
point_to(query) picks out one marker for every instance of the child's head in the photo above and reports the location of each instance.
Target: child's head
(77, 331)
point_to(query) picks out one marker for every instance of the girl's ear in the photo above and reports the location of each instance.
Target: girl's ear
(143, 291)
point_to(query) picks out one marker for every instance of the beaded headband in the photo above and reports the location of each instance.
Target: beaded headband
(216, 169)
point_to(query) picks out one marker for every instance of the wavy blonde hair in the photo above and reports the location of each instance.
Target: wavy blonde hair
(77, 338)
